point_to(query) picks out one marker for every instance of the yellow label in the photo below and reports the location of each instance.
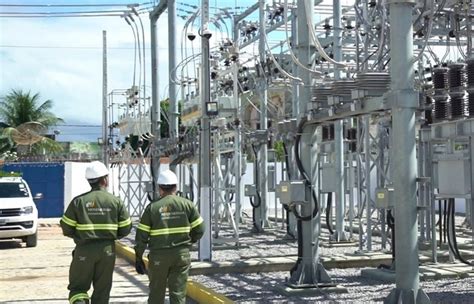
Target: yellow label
(380, 195)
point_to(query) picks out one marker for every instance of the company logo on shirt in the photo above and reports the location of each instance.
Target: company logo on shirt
(91, 205)
(165, 209)
(94, 209)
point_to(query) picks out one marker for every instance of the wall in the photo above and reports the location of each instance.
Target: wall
(46, 178)
(75, 181)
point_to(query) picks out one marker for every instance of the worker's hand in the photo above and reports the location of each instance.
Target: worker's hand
(140, 266)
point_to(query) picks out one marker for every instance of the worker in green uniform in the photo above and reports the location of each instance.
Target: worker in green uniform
(94, 220)
(168, 227)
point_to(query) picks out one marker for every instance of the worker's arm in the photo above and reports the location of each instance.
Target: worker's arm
(197, 224)
(124, 221)
(69, 221)
(142, 235)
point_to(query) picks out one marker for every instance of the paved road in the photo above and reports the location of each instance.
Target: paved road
(40, 274)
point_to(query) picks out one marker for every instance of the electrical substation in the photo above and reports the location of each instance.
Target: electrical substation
(355, 118)
(314, 136)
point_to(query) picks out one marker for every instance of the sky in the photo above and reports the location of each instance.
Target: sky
(61, 58)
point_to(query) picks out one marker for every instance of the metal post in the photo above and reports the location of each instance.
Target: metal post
(155, 93)
(172, 34)
(308, 270)
(238, 145)
(404, 102)
(105, 141)
(471, 200)
(261, 212)
(205, 245)
(367, 160)
(340, 200)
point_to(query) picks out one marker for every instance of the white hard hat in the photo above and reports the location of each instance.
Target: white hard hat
(167, 177)
(95, 170)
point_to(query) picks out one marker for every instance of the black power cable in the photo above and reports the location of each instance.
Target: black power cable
(257, 180)
(328, 212)
(304, 174)
(391, 225)
(285, 206)
(452, 241)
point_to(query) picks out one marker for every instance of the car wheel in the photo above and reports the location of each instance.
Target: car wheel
(32, 240)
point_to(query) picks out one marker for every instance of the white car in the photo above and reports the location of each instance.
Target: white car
(18, 213)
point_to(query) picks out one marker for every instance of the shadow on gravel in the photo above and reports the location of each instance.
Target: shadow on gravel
(132, 279)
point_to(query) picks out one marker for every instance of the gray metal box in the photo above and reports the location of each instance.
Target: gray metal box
(271, 178)
(292, 192)
(454, 177)
(328, 179)
(384, 198)
(250, 190)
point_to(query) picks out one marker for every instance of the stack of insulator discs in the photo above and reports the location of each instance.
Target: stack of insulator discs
(441, 97)
(457, 91)
(470, 85)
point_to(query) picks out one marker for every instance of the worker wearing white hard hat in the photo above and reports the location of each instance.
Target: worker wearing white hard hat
(94, 220)
(168, 227)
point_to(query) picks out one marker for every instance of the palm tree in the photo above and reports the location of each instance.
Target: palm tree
(25, 116)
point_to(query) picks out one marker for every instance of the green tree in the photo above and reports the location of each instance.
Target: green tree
(24, 115)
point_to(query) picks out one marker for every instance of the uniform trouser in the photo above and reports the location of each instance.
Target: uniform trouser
(92, 262)
(168, 268)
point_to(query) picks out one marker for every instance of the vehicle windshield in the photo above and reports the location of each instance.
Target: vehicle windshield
(13, 190)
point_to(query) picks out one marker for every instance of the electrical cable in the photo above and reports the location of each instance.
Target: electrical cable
(452, 233)
(285, 206)
(304, 174)
(314, 37)
(264, 35)
(328, 212)
(71, 5)
(290, 49)
(257, 180)
(135, 49)
(428, 34)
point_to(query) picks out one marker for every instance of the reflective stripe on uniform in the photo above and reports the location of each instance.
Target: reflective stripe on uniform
(125, 223)
(97, 227)
(144, 227)
(78, 296)
(165, 231)
(68, 221)
(197, 222)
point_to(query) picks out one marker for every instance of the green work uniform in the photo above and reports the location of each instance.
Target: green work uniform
(168, 227)
(94, 220)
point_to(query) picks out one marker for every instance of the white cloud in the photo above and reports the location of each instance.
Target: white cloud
(62, 59)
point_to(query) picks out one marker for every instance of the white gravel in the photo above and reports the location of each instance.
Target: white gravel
(266, 287)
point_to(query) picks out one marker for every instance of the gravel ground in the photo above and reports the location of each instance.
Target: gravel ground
(266, 287)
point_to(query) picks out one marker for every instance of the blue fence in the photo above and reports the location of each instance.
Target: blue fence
(46, 178)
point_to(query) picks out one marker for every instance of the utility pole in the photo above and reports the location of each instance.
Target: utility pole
(105, 140)
(172, 34)
(404, 100)
(205, 243)
(261, 212)
(340, 200)
(155, 93)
